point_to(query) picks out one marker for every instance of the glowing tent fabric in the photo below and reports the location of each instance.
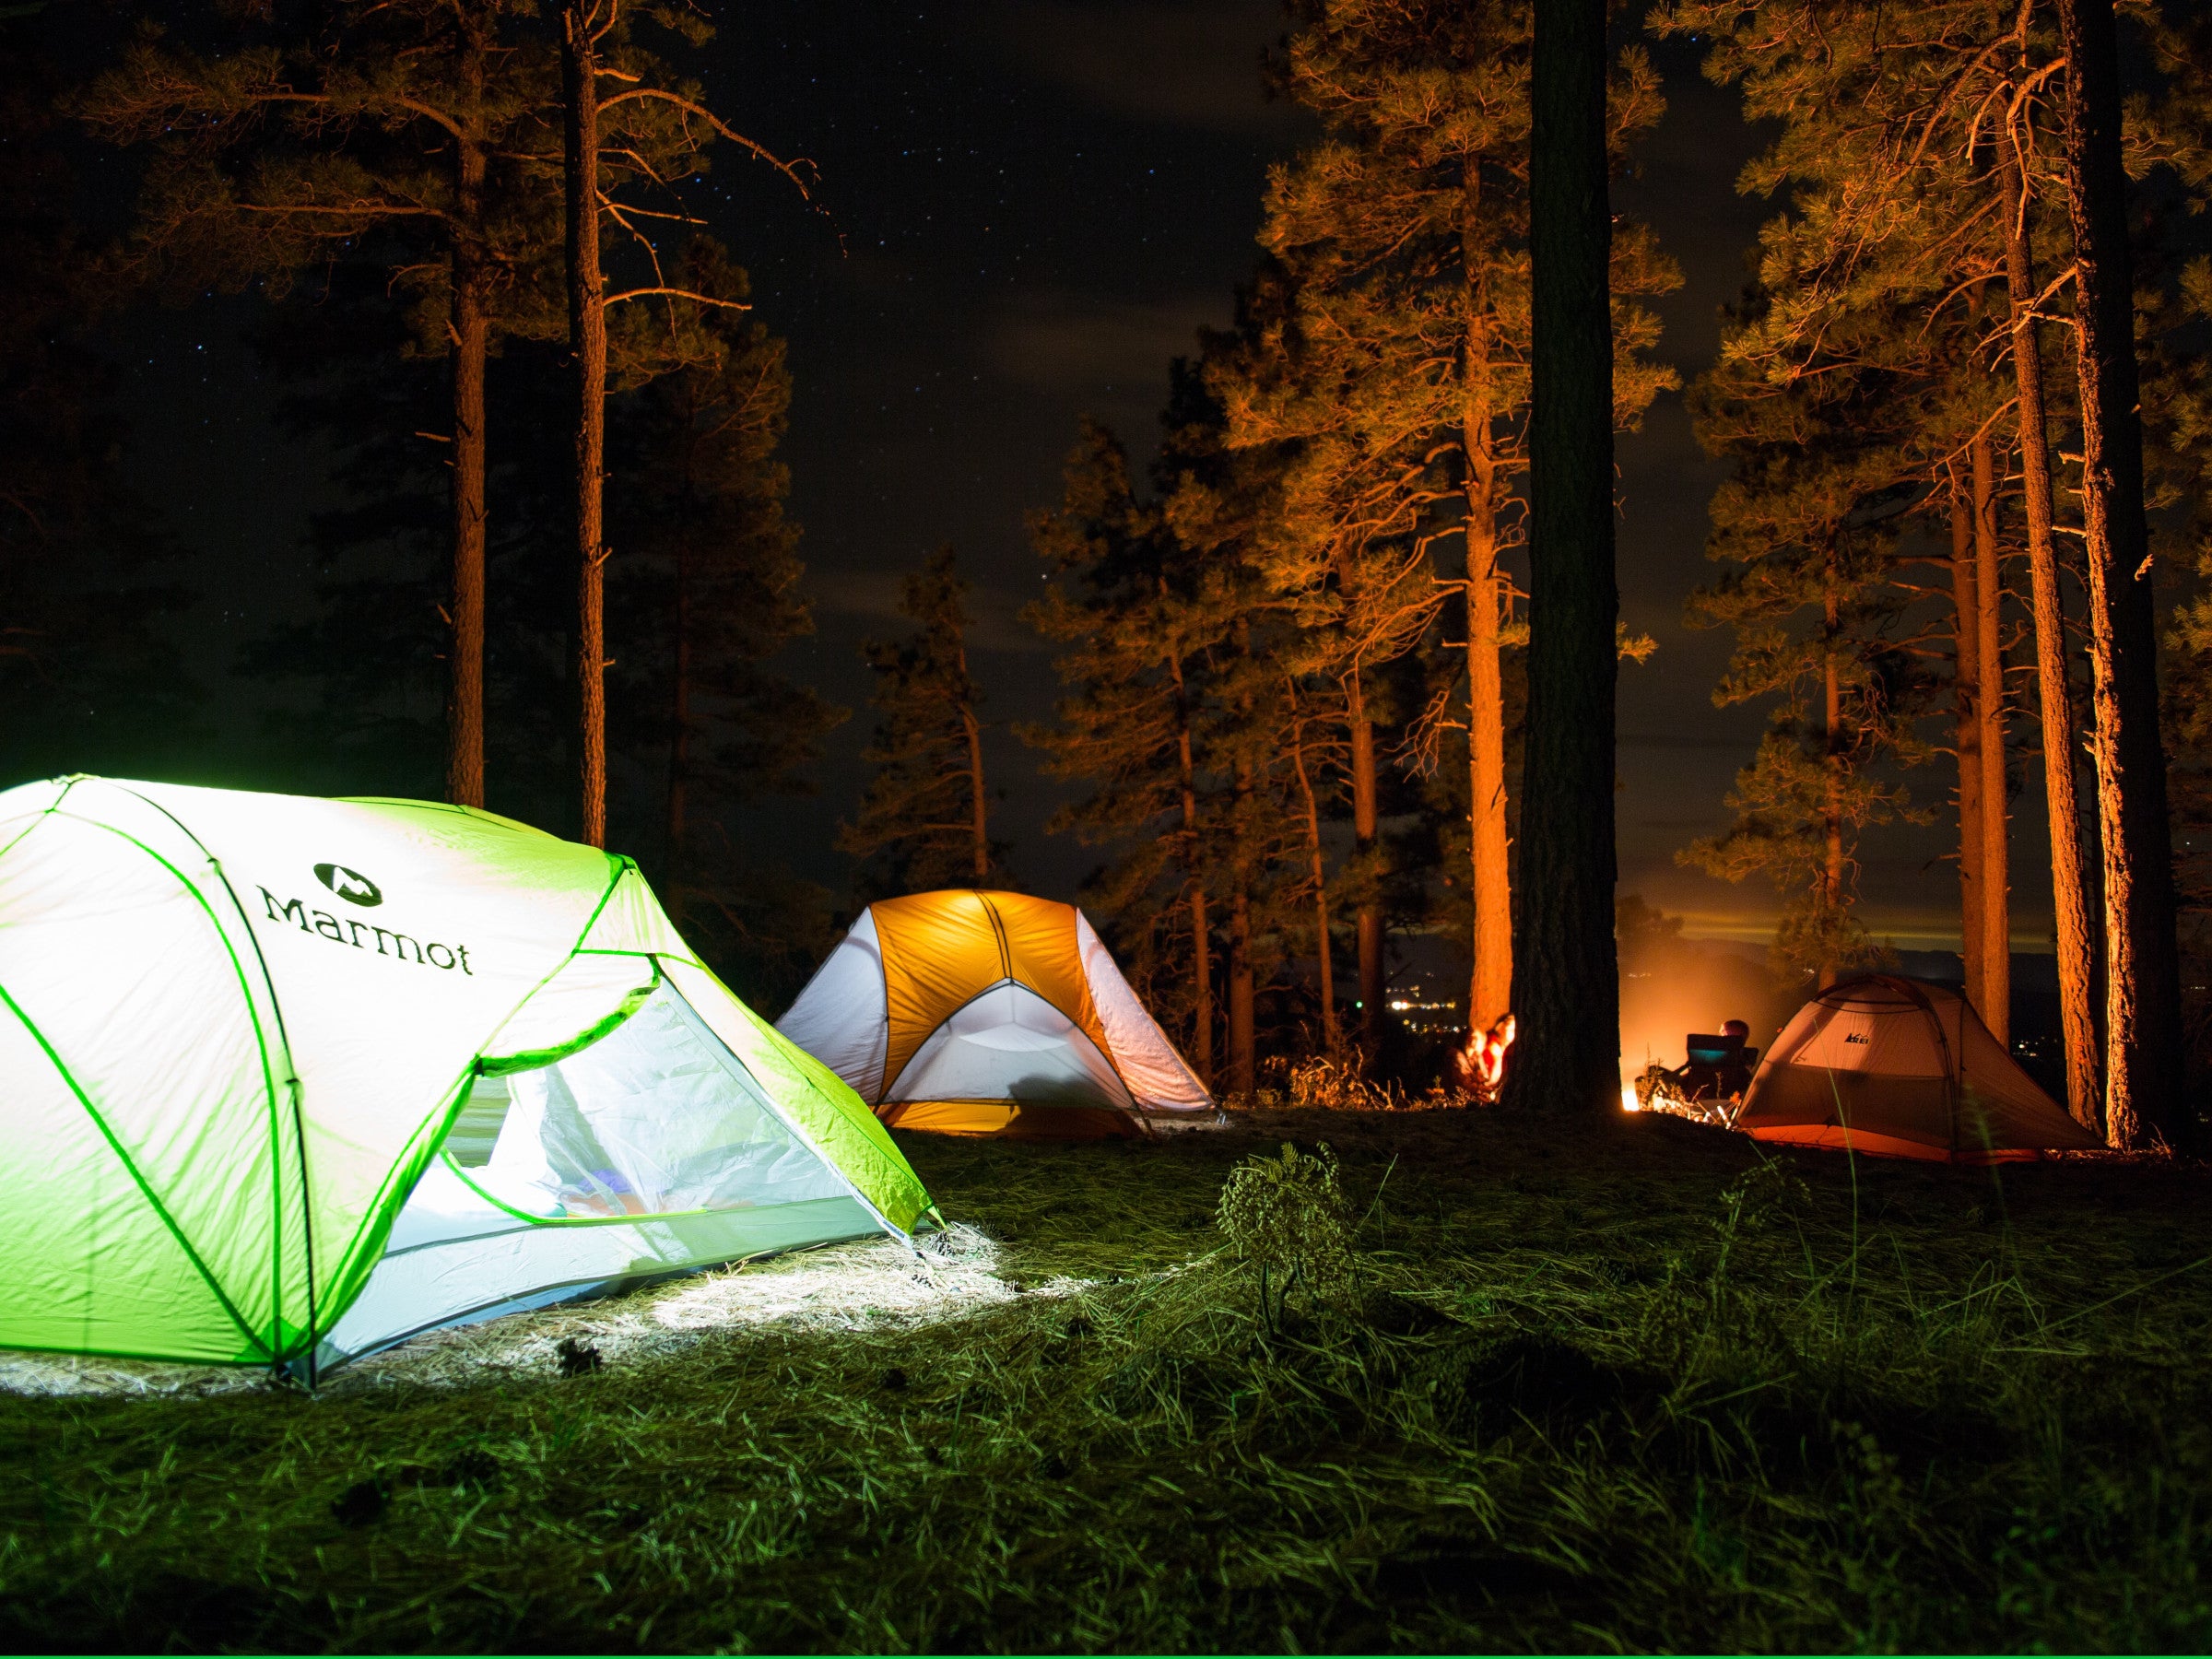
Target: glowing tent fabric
(282, 1080)
(990, 1014)
(1901, 1068)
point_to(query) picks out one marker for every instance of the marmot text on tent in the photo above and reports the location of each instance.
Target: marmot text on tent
(330, 927)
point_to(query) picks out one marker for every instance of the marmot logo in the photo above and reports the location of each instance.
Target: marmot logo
(349, 885)
(1855, 1037)
(398, 945)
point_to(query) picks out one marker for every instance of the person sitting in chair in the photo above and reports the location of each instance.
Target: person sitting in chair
(1717, 1071)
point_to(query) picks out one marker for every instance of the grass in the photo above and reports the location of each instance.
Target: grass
(1636, 1387)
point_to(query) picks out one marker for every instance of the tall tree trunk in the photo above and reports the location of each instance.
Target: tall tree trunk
(1566, 972)
(1995, 1007)
(1490, 989)
(1331, 1037)
(470, 346)
(1833, 762)
(1244, 1068)
(979, 800)
(2072, 933)
(1966, 637)
(1194, 876)
(679, 747)
(2143, 1020)
(587, 341)
(1366, 838)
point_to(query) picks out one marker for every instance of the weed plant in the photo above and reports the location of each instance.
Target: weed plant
(1343, 1081)
(1638, 1385)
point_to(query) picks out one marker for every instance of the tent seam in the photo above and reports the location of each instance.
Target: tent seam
(261, 1041)
(40, 816)
(292, 1066)
(451, 1103)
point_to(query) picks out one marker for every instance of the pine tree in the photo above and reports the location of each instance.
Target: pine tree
(1138, 618)
(1399, 378)
(1270, 658)
(1840, 411)
(398, 134)
(1909, 141)
(1564, 962)
(2142, 1081)
(648, 136)
(925, 818)
(1803, 527)
(2176, 397)
(707, 594)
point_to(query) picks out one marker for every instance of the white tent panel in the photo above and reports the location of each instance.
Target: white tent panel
(150, 997)
(1010, 1044)
(650, 1151)
(1148, 1063)
(1873, 1038)
(843, 1017)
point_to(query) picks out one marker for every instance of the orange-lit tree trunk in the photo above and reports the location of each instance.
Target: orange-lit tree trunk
(1566, 970)
(1330, 1035)
(2143, 1076)
(1490, 989)
(1835, 763)
(1966, 656)
(1366, 839)
(470, 346)
(587, 343)
(1995, 1007)
(2072, 930)
(1243, 1067)
(1202, 986)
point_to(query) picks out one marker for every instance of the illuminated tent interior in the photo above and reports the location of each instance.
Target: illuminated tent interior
(283, 1081)
(980, 1013)
(1901, 1068)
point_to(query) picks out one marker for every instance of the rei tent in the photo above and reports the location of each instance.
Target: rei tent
(1901, 1068)
(285, 1080)
(991, 1014)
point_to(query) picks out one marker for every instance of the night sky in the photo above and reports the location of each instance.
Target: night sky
(1030, 207)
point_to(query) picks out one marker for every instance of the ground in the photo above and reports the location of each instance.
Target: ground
(1633, 1385)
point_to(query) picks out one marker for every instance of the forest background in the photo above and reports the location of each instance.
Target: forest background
(1022, 214)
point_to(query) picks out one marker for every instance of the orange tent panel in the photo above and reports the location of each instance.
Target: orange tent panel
(941, 949)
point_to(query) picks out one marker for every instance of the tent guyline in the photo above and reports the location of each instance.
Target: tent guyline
(477, 1071)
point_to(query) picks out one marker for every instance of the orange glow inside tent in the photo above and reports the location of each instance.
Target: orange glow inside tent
(989, 1013)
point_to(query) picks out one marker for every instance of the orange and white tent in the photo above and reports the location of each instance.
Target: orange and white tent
(991, 1014)
(1901, 1068)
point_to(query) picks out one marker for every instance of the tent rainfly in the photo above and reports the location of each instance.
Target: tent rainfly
(285, 1080)
(991, 1014)
(1901, 1068)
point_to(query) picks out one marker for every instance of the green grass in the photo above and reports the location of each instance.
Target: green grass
(1634, 1387)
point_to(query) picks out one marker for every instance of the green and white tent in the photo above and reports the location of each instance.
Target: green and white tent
(285, 1080)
